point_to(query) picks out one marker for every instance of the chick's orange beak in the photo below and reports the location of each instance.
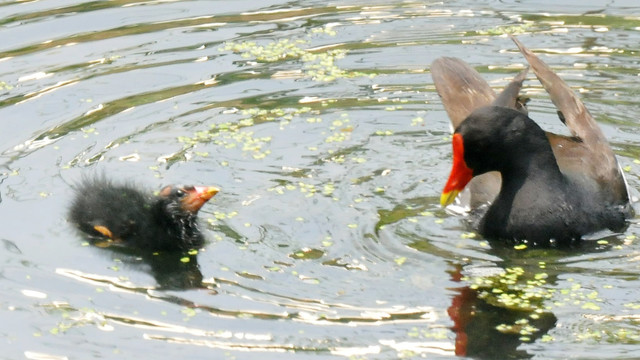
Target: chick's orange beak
(197, 196)
(460, 173)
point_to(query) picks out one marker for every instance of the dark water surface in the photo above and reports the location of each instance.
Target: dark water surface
(321, 124)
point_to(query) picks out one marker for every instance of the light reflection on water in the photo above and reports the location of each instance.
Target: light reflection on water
(322, 127)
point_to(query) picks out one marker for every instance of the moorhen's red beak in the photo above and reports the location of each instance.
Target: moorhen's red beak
(460, 173)
(196, 197)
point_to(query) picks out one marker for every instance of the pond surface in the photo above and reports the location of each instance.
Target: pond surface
(321, 125)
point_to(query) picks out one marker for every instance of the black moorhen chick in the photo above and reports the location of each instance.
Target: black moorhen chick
(122, 213)
(542, 187)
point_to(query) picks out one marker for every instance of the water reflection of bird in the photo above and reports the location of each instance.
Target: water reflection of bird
(123, 214)
(542, 187)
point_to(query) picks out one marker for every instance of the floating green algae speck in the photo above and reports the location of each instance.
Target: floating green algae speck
(417, 121)
(189, 312)
(590, 306)
(400, 260)
(307, 254)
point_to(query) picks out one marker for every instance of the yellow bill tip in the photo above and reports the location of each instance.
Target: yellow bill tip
(447, 198)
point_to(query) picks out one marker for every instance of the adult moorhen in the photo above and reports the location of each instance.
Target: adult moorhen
(124, 214)
(542, 187)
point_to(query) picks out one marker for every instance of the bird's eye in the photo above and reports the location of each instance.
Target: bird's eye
(180, 193)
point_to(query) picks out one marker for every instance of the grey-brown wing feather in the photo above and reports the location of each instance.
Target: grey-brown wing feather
(460, 87)
(586, 157)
